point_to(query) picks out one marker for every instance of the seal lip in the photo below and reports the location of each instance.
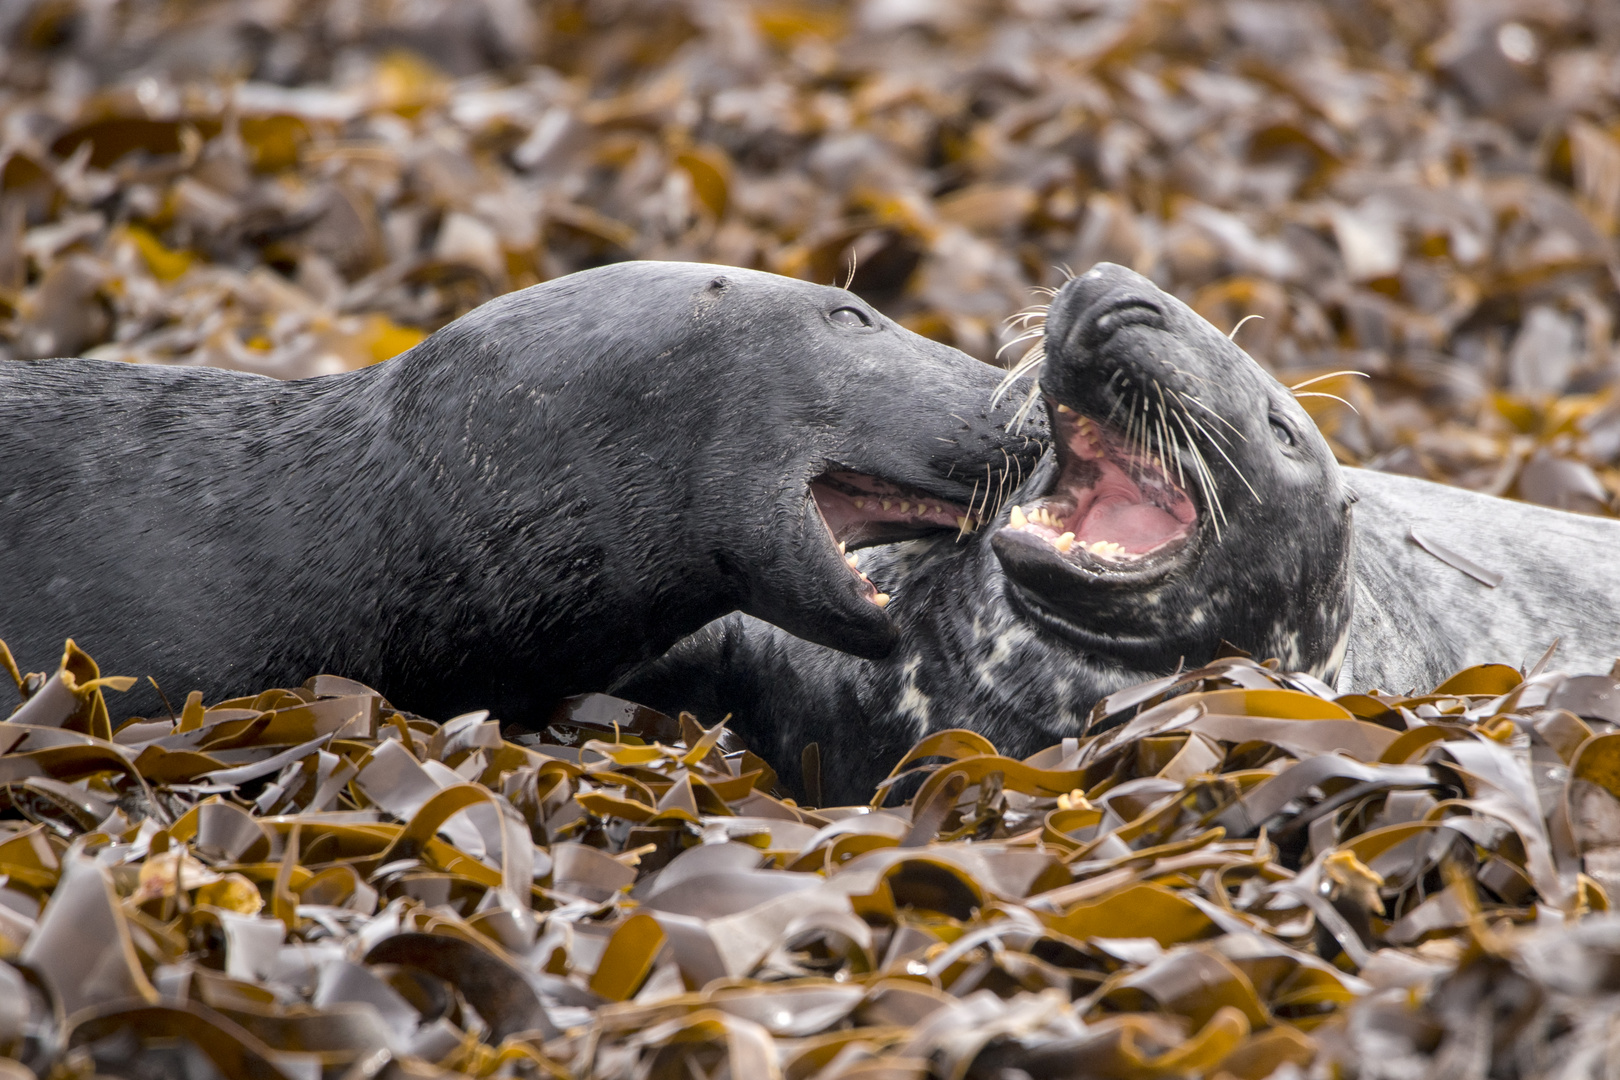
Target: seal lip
(1128, 647)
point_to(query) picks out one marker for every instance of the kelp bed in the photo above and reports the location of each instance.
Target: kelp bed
(1423, 191)
(1234, 874)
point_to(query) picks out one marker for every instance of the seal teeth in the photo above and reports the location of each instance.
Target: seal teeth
(1017, 519)
(881, 599)
(885, 503)
(1064, 542)
(852, 560)
(860, 504)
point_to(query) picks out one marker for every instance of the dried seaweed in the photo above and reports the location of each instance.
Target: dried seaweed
(309, 882)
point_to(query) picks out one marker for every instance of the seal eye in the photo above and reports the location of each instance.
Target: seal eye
(1283, 432)
(850, 316)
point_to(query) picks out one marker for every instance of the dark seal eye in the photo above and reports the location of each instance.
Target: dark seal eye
(849, 316)
(1283, 432)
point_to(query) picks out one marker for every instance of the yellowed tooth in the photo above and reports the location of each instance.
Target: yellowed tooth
(840, 547)
(905, 507)
(1017, 519)
(881, 599)
(852, 560)
(962, 522)
(886, 503)
(1064, 542)
(1065, 410)
(860, 504)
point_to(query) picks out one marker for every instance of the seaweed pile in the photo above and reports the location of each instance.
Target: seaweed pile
(1232, 874)
(1422, 191)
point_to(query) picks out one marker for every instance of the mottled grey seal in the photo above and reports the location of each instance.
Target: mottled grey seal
(1447, 578)
(549, 490)
(1187, 500)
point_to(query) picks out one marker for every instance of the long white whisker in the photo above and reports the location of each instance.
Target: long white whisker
(1212, 494)
(1233, 335)
(1192, 400)
(1329, 375)
(1164, 411)
(1335, 397)
(1239, 472)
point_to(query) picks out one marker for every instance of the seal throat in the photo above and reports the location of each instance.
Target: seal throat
(1113, 506)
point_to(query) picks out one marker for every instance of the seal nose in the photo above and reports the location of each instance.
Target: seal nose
(1088, 311)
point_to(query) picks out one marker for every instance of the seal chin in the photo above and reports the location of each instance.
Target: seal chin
(1116, 519)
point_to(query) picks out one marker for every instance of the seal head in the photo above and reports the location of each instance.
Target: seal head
(1187, 482)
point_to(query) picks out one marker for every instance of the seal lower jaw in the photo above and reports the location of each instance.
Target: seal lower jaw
(1085, 559)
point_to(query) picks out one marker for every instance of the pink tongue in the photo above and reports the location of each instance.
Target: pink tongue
(1135, 526)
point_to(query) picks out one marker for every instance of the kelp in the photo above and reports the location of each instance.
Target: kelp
(1422, 193)
(1232, 871)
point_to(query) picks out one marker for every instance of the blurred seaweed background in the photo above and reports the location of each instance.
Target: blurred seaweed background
(1236, 874)
(1421, 191)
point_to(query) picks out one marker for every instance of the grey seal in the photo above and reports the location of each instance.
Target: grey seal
(1447, 578)
(1187, 500)
(538, 497)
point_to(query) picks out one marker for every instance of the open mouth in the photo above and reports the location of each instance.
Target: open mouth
(862, 511)
(1114, 508)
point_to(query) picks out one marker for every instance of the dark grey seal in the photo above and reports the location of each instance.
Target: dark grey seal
(1187, 500)
(550, 490)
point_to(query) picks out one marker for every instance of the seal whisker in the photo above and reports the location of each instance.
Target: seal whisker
(1164, 412)
(1193, 399)
(1323, 378)
(1233, 335)
(1335, 397)
(961, 530)
(1212, 494)
(1237, 470)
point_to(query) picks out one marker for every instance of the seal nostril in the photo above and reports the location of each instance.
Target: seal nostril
(1129, 313)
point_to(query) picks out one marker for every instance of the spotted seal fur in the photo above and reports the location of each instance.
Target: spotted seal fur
(1187, 500)
(548, 491)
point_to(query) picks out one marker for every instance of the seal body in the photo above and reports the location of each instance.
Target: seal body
(541, 495)
(1187, 500)
(1534, 575)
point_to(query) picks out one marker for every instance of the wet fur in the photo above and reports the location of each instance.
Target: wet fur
(543, 494)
